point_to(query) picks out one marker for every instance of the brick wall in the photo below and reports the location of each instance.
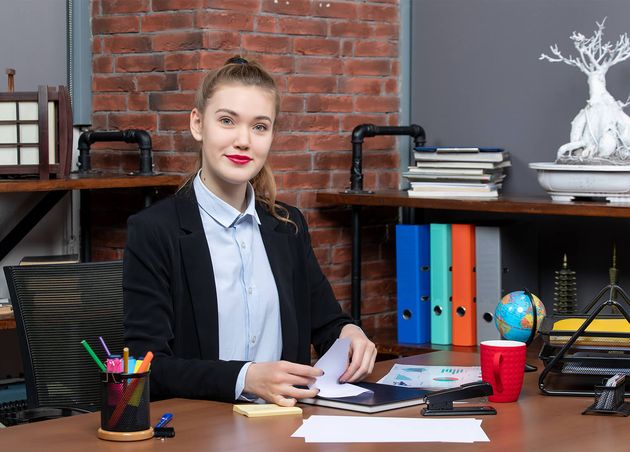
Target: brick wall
(336, 63)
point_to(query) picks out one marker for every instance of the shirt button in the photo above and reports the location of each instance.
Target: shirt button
(243, 245)
(253, 339)
(250, 290)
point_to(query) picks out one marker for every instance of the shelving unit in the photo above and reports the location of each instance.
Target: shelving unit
(520, 206)
(55, 189)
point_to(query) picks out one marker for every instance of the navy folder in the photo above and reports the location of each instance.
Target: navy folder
(381, 398)
(413, 284)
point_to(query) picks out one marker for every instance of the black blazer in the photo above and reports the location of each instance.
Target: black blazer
(170, 299)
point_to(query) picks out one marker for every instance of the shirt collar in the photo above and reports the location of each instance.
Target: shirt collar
(220, 211)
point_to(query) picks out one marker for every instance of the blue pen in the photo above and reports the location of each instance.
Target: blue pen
(132, 364)
(166, 418)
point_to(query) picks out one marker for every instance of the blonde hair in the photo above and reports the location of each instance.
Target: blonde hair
(238, 71)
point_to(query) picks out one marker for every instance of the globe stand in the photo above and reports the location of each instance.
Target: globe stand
(532, 334)
(527, 302)
(530, 368)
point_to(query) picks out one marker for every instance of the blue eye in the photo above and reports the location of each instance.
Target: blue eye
(226, 121)
(260, 127)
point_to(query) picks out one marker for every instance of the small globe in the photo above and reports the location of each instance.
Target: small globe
(514, 317)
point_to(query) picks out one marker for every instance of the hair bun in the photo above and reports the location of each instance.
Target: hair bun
(237, 60)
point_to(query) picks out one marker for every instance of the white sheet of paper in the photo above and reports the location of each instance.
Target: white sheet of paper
(334, 364)
(358, 429)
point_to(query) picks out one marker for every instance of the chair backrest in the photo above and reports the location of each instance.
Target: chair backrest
(56, 307)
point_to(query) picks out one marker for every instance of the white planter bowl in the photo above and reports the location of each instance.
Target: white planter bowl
(566, 182)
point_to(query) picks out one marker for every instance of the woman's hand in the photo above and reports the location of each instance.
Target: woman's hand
(274, 381)
(362, 354)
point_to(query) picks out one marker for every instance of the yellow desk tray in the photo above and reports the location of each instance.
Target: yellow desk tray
(598, 325)
(564, 328)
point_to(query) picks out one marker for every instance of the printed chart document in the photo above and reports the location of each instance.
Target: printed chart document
(431, 377)
(355, 429)
(334, 363)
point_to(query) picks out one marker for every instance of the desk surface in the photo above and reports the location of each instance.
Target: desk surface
(537, 422)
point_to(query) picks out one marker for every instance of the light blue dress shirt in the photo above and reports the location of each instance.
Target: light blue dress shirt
(247, 296)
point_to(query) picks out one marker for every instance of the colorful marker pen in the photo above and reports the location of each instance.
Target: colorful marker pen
(165, 419)
(100, 338)
(114, 365)
(138, 364)
(93, 355)
(132, 364)
(126, 360)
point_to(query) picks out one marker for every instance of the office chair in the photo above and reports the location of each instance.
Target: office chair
(56, 307)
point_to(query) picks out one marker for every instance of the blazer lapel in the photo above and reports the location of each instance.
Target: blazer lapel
(279, 254)
(199, 274)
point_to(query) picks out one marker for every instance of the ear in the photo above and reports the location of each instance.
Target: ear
(196, 124)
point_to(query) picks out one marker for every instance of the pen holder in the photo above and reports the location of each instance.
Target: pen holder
(125, 413)
(609, 400)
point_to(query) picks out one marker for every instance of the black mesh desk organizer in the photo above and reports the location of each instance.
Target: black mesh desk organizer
(609, 399)
(576, 359)
(56, 306)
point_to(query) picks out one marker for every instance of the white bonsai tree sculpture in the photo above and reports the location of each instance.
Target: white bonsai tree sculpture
(600, 133)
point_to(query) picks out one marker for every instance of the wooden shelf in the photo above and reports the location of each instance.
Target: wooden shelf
(504, 204)
(92, 181)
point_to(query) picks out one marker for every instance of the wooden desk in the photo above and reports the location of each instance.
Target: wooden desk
(535, 422)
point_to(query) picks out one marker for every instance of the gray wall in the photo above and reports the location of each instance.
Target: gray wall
(33, 42)
(476, 78)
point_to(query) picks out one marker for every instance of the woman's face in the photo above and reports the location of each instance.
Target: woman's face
(235, 131)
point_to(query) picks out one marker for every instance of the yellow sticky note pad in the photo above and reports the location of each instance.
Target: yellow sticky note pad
(268, 409)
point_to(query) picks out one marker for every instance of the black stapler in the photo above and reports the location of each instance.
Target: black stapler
(440, 403)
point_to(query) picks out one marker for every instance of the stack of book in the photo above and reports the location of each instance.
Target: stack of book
(457, 172)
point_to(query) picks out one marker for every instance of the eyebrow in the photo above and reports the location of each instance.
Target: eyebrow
(233, 113)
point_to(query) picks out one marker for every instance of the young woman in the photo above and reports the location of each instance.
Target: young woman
(220, 281)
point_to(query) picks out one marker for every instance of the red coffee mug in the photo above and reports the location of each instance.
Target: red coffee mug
(503, 367)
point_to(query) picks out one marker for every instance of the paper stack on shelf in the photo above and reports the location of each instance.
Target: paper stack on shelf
(457, 172)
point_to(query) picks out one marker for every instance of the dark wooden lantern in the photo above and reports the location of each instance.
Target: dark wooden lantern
(36, 133)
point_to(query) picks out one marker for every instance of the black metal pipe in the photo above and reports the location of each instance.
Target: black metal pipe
(141, 137)
(355, 282)
(359, 134)
(363, 131)
(85, 225)
(148, 197)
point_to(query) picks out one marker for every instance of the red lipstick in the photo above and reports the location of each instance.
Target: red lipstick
(239, 159)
